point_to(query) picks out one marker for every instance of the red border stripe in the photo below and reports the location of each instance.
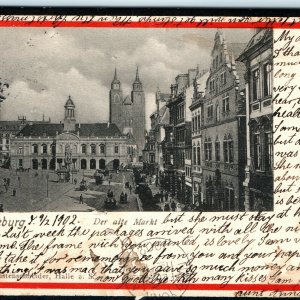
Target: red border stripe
(142, 286)
(150, 24)
(134, 286)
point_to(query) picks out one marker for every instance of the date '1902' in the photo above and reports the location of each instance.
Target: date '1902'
(59, 220)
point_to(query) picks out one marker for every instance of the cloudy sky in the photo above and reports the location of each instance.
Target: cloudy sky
(44, 66)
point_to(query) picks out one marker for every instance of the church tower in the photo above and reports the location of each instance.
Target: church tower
(115, 102)
(138, 112)
(69, 120)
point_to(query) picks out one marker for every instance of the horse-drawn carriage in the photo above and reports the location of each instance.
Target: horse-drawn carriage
(83, 185)
(110, 201)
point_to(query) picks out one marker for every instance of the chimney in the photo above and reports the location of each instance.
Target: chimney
(108, 124)
(78, 125)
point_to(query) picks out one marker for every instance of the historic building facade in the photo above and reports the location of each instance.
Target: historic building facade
(8, 130)
(152, 153)
(74, 145)
(258, 58)
(197, 119)
(178, 142)
(223, 129)
(128, 113)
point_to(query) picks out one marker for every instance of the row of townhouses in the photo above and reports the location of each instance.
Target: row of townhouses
(210, 144)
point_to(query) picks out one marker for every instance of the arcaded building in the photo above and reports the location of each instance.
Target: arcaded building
(68, 144)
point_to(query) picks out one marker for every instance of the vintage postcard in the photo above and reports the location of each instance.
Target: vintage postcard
(149, 155)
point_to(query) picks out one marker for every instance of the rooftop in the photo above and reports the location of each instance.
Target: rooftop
(84, 130)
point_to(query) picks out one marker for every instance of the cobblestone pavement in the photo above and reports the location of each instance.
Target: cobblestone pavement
(31, 192)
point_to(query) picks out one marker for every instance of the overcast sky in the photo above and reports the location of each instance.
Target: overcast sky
(44, 66)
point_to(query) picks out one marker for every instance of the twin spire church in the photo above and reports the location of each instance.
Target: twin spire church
(128, 112)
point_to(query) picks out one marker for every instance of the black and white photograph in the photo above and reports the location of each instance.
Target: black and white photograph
(137, 119)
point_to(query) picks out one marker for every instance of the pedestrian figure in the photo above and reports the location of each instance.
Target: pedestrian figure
(130, 189)
(1, 207)
(161, 196)
(173, 206)
(81, 199)
(19, 179)
(8, 181)
(167, 207)
(14, 192)
(75, 181)
(125, 197)
(6, 187)
(166, 196)
(122, 197)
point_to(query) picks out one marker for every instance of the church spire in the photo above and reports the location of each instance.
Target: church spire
(115, 77)
(137, 84)
(116, 84)
(137, 77)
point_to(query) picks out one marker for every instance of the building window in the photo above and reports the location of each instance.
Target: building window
(228, 149)
(255, 84)
(198, 122)
(20, 163)
(35, 148)
(225, 102)
(180, 112)
(53, 149)
(217, 113)
(217, 150)
(208, 149)
(223, 78)
(20, 150)
(267, 68)
(7, 141)
(116, 149)
(102, 149)
(44, 149)
(194, 155)
(83, 149)
(268, 151)
(229, 198)
(193, 124)
(198, 154)
(257, 150)
(210, 111)
(93, 149)
(152, 158)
